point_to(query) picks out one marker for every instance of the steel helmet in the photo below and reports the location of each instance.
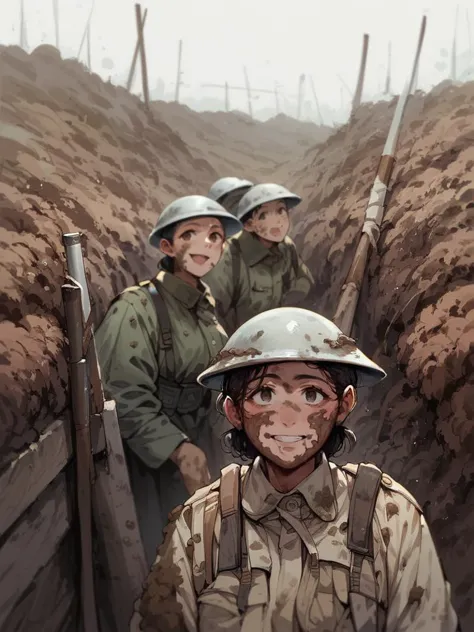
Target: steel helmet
(262, 193)
(186, 208)
(224, 186)
(289, 333)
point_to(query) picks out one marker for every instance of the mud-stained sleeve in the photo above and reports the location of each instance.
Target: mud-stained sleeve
(168, 602)
(126, 346)
(418, 593)
(300, 281)
(227, 291)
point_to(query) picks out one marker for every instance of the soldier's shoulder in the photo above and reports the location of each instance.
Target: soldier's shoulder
(388, 486)
(214, 488)
(288, 242)
(135, 295)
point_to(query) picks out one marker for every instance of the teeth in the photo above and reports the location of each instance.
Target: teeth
(288, 438)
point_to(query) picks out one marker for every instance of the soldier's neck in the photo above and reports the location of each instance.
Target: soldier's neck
(186, 277)
(285, 480)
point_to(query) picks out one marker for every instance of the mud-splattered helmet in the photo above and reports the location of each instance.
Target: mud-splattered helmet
(289, 333)
(186, 208)
(263, 193)
(224, 186)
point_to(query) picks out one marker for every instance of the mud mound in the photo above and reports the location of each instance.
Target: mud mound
(231, 140)
(81, 154)
(416, 313)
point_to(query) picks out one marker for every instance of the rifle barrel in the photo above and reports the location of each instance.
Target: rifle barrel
(80, 414)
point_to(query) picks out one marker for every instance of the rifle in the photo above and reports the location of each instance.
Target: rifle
(347, 305)
(107, 479)
(80, 413)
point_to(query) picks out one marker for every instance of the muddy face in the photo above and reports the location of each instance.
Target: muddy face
(289, 418)
(270, 221)
(197, 245)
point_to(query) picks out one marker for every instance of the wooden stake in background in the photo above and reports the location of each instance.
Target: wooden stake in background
(141, 39)
(249, 92)
(389, 70)
(277, 99)
(89, 63)
(23, 41)
(178, 75)
(360, 81)
(84, 35)
(300, 95)
(131, 74)
(316, 101)
(226, 88)
(454, 48)
(56, 21)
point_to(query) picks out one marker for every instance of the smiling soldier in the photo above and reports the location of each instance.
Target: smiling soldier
(260, 268)
(294, 542)
(154, 341)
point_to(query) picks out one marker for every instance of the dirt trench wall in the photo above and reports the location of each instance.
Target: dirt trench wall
(416, 312)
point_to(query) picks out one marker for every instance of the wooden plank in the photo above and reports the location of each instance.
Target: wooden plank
(50, 601)
(29, 475)
(33, 542)
(116, 522)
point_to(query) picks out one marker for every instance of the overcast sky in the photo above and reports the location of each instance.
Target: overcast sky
(276, 39)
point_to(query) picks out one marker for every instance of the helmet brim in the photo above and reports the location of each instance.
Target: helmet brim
(290, 200)
(230, 224)
(368, 374)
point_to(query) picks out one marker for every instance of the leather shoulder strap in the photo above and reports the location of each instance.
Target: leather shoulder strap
(231, 519)
(235, 253)
(362, 508)
(164, 322)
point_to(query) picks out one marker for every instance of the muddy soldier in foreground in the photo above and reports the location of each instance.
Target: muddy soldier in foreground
(295, 542)
(260, 268)
(153, 343)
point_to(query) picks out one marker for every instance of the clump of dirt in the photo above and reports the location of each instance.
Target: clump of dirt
(416, 312)
(78, 154)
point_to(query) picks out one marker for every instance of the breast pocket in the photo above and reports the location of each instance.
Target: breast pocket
(218, 607)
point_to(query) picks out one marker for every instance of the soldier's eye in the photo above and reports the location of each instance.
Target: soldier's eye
(312, 395)
(215, 237)
(263, 396)
(187, 235)
(263, 215)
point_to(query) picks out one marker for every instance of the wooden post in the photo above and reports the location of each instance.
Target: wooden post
(300, 95)
(469, 34)
(84, 35)
(80, 412)
(178, 76)
(23, 41)
(249, 92)
(389, 69)
(56, 21)
(226, 88)
(131, 74)
(277, 99)
(89, 63)
(454, 48)
(360, 81)
(316, 101)
(141, 39)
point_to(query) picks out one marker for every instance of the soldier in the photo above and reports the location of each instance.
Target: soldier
(154, 341)
(260, 269)
(229, 191)
(295, 542)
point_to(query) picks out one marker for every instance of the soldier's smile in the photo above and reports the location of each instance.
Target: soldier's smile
(289, 438)
(199, 259)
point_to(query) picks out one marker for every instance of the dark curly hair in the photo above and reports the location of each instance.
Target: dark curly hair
(236, 384)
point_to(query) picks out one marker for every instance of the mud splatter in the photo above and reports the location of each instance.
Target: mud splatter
(386, 534)
(416, 595)
(391, 510)
(228, 354)
(342, 343)
(257, 336)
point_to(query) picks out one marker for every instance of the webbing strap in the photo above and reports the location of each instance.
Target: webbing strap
(164, 322)
(231, 525)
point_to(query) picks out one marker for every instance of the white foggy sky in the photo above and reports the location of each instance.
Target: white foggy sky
(275, 39)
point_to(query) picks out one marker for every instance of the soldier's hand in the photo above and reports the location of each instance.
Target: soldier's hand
(192, 464)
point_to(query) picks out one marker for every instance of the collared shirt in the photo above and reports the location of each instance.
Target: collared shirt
(266, 279)
(300, 563)
(132, 361)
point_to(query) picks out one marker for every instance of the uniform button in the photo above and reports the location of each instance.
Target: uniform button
(387, 480)
(213, 342)
(290, 504)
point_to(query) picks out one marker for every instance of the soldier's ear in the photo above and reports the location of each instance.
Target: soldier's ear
(248, 225)
(166, 247)
(347, 404)
(232, 413)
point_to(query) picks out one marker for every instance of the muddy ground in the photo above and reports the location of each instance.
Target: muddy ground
(80, 154)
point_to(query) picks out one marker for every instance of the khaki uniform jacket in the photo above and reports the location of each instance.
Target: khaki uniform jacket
(300, 563)
(266, 279)
(157, 411)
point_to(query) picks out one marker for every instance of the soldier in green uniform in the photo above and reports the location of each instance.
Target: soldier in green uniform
(260, 268)
(229, 191)
(154, 341)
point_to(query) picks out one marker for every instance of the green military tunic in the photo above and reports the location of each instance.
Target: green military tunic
(250, 279)
(159, 402)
